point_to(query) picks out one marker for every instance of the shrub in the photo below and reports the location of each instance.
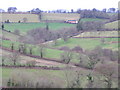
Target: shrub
(77, 49)
(31, 63)
(17, 32)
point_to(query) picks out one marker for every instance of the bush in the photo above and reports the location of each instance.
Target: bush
(31, 63)
(65, 48)
(17, 32)
(77, 49)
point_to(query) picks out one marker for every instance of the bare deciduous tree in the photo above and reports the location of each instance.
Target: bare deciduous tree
(66, 56)
(73, 82)
(15, 56)
(108, 70)
(41, 50)
(25, 19)
(23, 48)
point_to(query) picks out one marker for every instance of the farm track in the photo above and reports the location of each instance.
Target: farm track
(33, 67)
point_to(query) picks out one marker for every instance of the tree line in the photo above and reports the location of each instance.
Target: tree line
(37, 10)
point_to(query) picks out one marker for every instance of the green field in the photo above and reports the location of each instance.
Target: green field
(68, 72)
(9, 36)
(88, 43)
(24, 27)
(92, 19)
(50, 53)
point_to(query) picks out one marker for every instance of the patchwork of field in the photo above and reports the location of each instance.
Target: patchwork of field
(85, 43)
(19, 17)
(60, 16)
(24, 27)
(112, 25)
(53, 53)
(36, 18)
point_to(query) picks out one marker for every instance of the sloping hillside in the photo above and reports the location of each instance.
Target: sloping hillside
(112, 25)
(20, 17)
(9, 36)
(60, 16)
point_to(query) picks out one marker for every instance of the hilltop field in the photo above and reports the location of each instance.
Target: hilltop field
(36, 18)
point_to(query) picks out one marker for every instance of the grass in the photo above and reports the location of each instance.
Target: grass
(112, 25)
(88, 43)
(8, 72)
(17, 17)
(8, 35)
(24, 59)
(24, 27)
(60, 16)
(35, 18)
(84, 43)
(55, 75)
(50, 53)
(92, 19)
(99, 34)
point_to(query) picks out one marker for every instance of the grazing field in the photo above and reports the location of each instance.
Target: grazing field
(61, 77)
(112, 25)
(55, 76)
(89, 43)
(50, 53)
(92, 19)
(60, 16)
(26, 60)
(98, 34)
(8, 36)
(24, 27)
(19, 17)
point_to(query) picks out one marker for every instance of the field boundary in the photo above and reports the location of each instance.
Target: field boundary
(47, 59)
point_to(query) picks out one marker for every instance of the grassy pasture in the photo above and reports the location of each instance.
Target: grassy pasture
(99, 34)
(55, 75)
(88, 43)
(23, 60)
(112, 25)
(60, 16)
(17, 17)
(92, 19)
(24, 27)
(9, 36)
(50, 53)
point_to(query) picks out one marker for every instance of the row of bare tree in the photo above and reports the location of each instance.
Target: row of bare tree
(40, 35)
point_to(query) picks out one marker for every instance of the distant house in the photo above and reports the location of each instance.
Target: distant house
(71, 21)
